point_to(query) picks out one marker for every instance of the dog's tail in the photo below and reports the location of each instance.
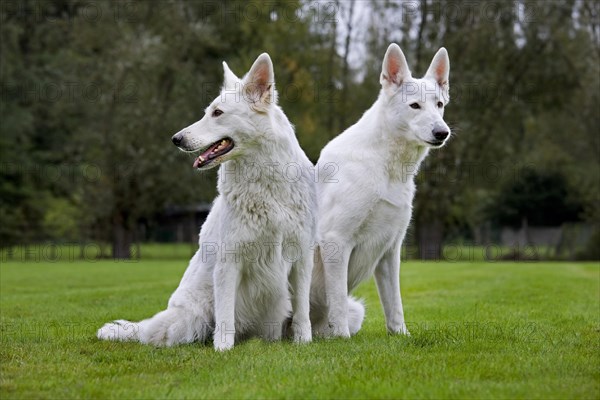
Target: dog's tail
(175, 325)
(356, 314)
(318, 303)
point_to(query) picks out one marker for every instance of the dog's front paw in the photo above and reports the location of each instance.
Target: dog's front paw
(337, 329)
(223, 339)
(120, 330)
(302, 332)
(400, 329)
(223, 345)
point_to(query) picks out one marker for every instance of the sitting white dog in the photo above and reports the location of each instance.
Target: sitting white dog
(365, 207)
(256, 244)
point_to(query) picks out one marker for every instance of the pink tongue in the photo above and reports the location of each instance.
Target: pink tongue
(204, 155)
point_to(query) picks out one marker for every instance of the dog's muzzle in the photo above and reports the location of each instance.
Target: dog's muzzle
(440, 134)
(177, 138)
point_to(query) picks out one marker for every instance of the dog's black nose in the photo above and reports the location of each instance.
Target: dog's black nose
(177, 138)
(440, 135)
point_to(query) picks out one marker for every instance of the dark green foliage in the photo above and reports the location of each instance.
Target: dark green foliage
(542, 198)
(592, 249)
(92, 91)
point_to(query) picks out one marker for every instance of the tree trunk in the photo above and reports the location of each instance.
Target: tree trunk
(346, 67)
(430, 235)
(422, 25)
(122, 238)
(331, 89)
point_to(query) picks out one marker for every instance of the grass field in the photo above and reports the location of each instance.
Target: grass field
(479, 330)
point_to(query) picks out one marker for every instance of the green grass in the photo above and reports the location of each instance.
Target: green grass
(479, 330)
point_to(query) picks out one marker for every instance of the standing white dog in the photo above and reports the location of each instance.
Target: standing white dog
(365, 208)
(259, 233)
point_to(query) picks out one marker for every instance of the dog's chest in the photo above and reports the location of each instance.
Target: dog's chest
(389, 215)
(269, 207)
(385, 223)
(391, 209)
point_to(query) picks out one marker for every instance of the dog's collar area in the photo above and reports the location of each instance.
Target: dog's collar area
(214, 151)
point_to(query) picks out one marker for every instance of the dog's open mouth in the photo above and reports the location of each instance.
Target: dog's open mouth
(214, 151)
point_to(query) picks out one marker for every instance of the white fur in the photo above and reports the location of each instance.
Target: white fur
(242, 282)
(365, 208)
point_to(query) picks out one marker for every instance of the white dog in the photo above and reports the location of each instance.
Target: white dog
(365, 207)
(257, 242)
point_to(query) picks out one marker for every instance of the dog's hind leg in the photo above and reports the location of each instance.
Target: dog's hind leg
(318, 304)
(170, 327)
(120, 330)
(175, 325)
(188, 318)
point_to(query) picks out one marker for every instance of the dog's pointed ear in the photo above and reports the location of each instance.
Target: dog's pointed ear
(230, 78)
(259, 83)
(439, 70)
(395, 68)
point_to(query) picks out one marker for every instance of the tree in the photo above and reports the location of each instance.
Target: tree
(516, 68)
(135, 73)
(541, 198)
(95, 90)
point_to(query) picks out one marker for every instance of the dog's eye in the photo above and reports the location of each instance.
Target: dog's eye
(415, 106)
(440, 104)
(217, 112)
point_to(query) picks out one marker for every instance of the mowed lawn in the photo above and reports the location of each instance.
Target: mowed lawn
(479, 330)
